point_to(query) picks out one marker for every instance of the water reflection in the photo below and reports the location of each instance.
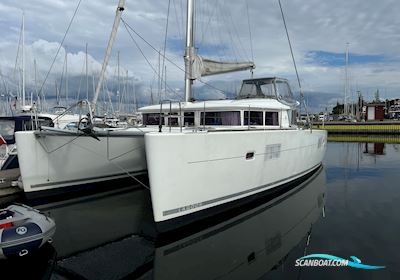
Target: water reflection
(249, 245)
(112, 236)
(374, 148)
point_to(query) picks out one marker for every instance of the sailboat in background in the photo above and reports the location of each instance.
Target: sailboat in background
(86, 154)
(230, 152)
(25, 117)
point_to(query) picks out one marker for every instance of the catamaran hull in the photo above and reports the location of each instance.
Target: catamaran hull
(194, 173)
(50, 161)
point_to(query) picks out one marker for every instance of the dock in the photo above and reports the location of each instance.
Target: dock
(8, 176)
(8, 192)
(376, 127)
(364, 138)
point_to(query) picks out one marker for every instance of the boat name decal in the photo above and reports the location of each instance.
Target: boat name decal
(190, 207)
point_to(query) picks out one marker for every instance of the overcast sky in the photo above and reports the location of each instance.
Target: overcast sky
(319, 30)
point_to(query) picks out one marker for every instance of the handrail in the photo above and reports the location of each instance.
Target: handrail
(169, 114)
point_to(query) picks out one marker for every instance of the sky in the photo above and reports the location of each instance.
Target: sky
(225, 30)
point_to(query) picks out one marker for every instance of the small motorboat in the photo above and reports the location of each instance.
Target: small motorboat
(23, 230)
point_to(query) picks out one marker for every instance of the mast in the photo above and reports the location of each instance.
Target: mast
(36, 90)
(87, 74)
(117, 20)
(189, 52)
(119, 85)
(66, 75)
(346, 83)
(23, 59)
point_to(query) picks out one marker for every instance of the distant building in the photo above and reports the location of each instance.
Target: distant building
(393, 109)
(375, 111)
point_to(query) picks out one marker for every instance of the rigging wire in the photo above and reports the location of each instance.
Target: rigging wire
(242, 53)
(165, 47)
(294, 61)
(141, 51)
(80, 82)
(18, 50)
(177, 21)
(128, 27)
(251, 39)
(59, 47)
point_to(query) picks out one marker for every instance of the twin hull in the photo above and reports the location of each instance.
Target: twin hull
(190, 172)
(51, 160)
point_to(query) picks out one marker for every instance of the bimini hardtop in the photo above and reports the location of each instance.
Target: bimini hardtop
(23, 230)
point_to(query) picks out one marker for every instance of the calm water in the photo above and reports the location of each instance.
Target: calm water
(349, 208)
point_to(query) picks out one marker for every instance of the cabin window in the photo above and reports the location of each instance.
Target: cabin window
(257, 88)
(271, 118)
(7, 129)
(284, 92)
(188, 119)
(256, 118)
(152, 119)
(268, 90)
(173, 121)
(249, 90)
(220, 118)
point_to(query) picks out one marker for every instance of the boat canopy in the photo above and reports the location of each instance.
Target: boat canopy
(274, 88)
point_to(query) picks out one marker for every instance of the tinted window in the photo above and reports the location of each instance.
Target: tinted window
(221, 118)
(152, 119)
(173, 121)
(188, 118)
(256, 118)
(271, 118)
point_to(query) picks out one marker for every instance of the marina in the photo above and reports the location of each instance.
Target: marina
(380, 128)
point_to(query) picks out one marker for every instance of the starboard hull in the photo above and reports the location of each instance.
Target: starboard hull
(194, 172)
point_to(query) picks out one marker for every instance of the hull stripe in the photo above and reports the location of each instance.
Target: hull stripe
(124, 174)
(200, 204)
(257, 154)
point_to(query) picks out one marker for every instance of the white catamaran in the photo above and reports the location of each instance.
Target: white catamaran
(52, 159)
(228, 152)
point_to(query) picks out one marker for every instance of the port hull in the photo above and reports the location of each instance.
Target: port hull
(51, 160)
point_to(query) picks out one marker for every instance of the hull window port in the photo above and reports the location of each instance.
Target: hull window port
(249, 155)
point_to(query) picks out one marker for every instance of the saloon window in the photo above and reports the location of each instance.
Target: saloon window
(256, 118)
(271, 118)
(188, 119)
(152, 119)
(173, 121)
(220, 118)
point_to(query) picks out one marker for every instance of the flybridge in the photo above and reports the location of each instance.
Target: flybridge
(274, 88)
